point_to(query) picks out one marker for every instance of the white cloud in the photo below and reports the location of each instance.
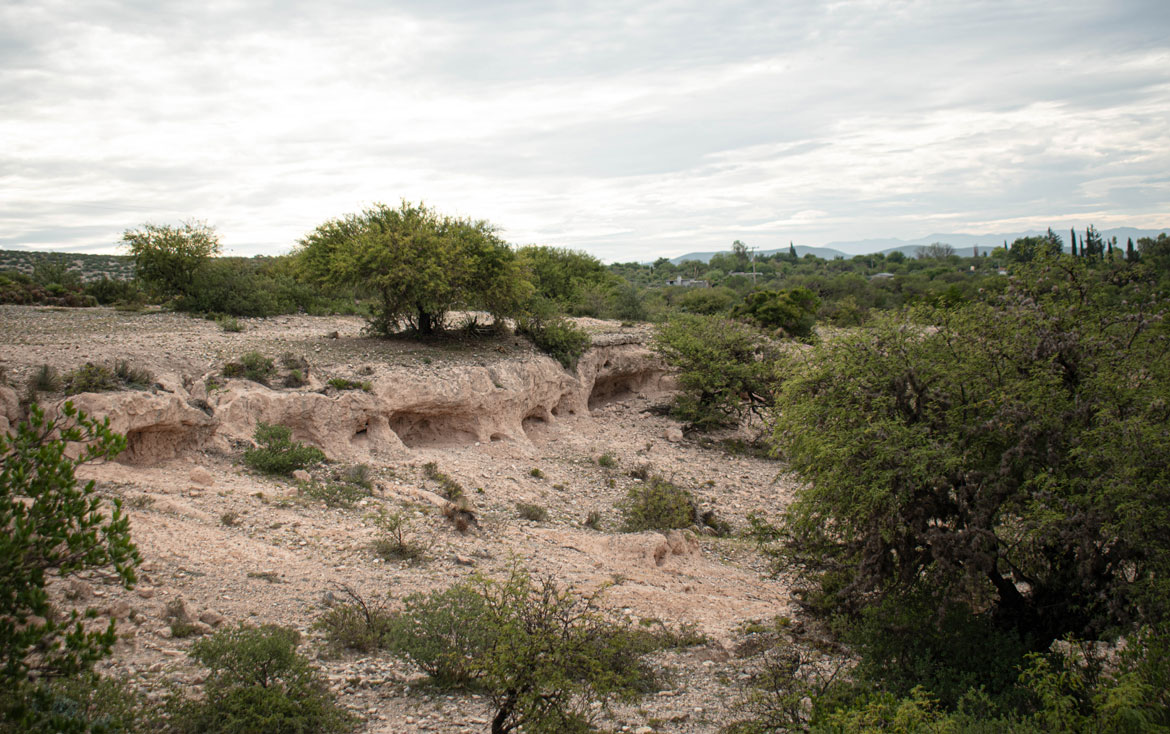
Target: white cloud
(627, 131)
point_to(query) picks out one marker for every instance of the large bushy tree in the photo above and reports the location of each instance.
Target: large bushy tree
(419, 263)
(1009, 456)
(168, 257)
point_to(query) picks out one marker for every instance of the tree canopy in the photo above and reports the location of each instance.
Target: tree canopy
(167, 257)
(1008, 455)
(419, 263)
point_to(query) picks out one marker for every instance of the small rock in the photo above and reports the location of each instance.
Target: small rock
(644, 730)
(146, 593)
(78, 589)
(673, 434)
(119, 610)
(211, 618)
(301, 475)
(199, 475)
(464, 560)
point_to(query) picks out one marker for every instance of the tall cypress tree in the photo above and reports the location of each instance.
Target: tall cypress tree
(791, 250)
(1130, 255)
(1073, 234)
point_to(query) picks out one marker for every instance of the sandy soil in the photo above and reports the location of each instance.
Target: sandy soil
(237, 546)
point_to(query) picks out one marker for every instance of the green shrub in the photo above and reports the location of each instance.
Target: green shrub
(45, 379)
(90, 377)
(452, 489)
(725, 369)
(543, 656)
(252, 366)
(606, 461)
(657, 505)
(531, 512)
(81, 704)
(278, 454)
(107, 291)
(393, 542)
(535, 473)
(556, 336)
(294, 378)
(229, 324)
(355, 624)
(341, 383)
(792, 311)
(259, 684)
(334, 494)
(135, 378)
(53, 527)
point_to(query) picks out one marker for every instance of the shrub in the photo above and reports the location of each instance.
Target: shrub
(657, 505)
(543, 656)
(531, 512)
(452, 489)
(52, 526)
(294, 378)
(792, 311)
(107, 291)
(334, 494)
(725, 369)
(252, 366)
(535, 473)
(45, 379)
(167, 258)
(606, 461)
(78, 704)
(393, 542)
(341, 383)
(560, 339)
(229, 324)
(355, 624)
(277, 453)
(593, 520)
(259, 684)
(135, 378)
(90, 377)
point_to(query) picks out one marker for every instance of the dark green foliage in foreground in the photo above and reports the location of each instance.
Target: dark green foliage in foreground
(278, 454)
(1010, 455)
(83, 704)
(259, 684)
(725, 368)
(540, 653)
(54, 527)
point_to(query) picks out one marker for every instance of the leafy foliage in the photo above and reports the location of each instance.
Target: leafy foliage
(658, 505)
(252, 366)
(278, 454)
(55, 527)
(1007, 455)
(725, 368)
(540, 653)
(419, 263)
(259, 684)
(167, 257)
(792, 311)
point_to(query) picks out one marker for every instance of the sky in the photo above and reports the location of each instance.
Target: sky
(630, 130)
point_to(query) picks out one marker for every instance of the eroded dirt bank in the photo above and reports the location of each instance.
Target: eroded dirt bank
(236, 546)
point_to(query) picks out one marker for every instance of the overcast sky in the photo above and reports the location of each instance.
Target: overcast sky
(628, 129)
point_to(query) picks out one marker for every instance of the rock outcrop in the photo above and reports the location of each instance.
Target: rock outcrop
(403, 410)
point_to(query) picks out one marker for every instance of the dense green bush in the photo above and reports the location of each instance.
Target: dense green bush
(792, 311)
(53, 527)
(259, 684)
(245, 287)
(92, 377)
(725, 368)
(541, 654)
(554, 335)
(81, 704)
(108, 291)
(252, 366)
(658, 505)
(167, 258)
(278, 454)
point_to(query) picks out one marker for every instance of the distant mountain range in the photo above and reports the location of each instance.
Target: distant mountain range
(964, 244)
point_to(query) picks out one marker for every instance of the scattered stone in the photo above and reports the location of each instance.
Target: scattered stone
(464, 560)
(211, 618)
(301, 475)
(673, 434)
(201, 476)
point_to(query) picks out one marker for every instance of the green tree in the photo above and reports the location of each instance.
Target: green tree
(725, 368)
(259, 684)
(1092, 245)
(562, 275)
(1026, 249)
(420, 264)
(167, 258)
(991, 453)
(54, 527)
(542, 654)
(792, 310)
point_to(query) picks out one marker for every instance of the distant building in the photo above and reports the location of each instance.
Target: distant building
(686, 283)
(881, 276)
